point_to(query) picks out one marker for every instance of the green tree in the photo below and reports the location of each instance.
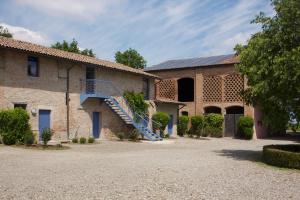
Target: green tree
(271, 62)
(73, 47)
(131, 58)
(4, 32)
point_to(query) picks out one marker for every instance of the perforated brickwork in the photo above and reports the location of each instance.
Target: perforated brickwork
(234, 84)
(167, 89)
(212, 89)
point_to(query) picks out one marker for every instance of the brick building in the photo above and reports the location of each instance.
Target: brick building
(72, 94)
(206, 85)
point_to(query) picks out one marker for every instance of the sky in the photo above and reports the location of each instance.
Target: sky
(159, 30)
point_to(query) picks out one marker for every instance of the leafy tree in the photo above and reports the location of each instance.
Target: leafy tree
(4, 32)
(73, 47)
(271, 62)
(131, 58)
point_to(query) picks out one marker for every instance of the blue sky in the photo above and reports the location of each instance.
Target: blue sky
(158, 29)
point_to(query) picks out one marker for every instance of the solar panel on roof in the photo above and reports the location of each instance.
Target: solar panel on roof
(191, 62)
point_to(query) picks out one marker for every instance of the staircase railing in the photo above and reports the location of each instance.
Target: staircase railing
(106, 89)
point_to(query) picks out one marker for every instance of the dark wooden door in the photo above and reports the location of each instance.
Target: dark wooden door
(231, 121)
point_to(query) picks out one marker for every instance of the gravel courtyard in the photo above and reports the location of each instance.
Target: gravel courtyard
(180, 169)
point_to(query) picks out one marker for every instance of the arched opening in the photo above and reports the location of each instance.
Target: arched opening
(235, 110)
(186, 89)
(212, 109)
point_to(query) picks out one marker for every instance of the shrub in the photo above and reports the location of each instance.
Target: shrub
(82, 140)
(205, 132)
(213, 125)
(161, 120)
(15, 122)
(75, 140)
(91, 140)
(182, 126)
(245, 127)
(121, 135)
(9, 138)
(28, 138)
(215, 132)
(214, 120)
(282, 155)
(134, 135)
(46, 135)
(197, 125)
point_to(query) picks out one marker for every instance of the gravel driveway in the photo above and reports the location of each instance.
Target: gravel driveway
(181, 169)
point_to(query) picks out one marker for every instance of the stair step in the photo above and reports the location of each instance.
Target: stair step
(143, 129)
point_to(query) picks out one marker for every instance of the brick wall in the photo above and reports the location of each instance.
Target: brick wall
(230, 84)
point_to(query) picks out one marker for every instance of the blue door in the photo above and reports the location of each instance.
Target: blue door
(96, 124)
(44, 121)
(170, 125)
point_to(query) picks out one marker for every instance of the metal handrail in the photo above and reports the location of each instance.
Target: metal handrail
(119, 94)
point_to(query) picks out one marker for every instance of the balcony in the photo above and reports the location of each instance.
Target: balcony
(96, 88)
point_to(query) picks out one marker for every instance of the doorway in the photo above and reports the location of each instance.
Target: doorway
(44, 121)
(96, 125)
(170, 125)
(231, 119)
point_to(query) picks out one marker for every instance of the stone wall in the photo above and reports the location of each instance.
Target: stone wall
(48, 91)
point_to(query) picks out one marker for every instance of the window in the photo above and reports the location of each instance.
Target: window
(146, 88)
(20, 105)
(185, 113)
(33, 66)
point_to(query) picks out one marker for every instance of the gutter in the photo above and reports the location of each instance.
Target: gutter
(68, 100)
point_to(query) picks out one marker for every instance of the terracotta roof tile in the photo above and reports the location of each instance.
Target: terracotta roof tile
(47, 51)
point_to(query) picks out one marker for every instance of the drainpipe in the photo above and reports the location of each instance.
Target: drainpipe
(68, 100)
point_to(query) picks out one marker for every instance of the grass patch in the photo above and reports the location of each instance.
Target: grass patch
(43, 147)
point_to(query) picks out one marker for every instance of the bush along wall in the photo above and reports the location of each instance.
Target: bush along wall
(182, 126)
(197, 125)
(213, 125)
(14, 125)
(245, 127)
(161, 121)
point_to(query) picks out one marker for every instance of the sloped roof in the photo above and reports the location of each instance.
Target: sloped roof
(47, 51)
(169, 101)
(194, 62)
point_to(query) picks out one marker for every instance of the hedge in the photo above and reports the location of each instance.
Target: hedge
(14, 123)
(197, 125)
(182, 126)
(282, 155)
(162, 120)
(213, 125)
(245, 127)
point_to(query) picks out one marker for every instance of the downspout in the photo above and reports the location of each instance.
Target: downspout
(68, 101)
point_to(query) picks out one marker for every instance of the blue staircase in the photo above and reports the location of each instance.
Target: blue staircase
(137, 121)
(117, 103)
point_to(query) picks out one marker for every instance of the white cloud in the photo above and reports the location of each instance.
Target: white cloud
(25, 34)
(86, 9)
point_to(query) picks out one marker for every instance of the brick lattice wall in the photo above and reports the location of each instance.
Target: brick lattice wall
(233, 85)
(167, 89)
(212, 89)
